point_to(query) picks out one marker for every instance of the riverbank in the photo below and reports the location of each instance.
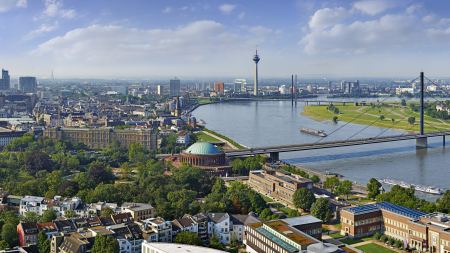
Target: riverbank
(386, 116)
(231, 143)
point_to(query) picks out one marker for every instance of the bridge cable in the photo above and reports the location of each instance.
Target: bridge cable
(364, 128)
(358, 116)
(348, 122)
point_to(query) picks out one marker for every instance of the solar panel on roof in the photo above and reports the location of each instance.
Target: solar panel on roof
(364, 208)
(411, 213)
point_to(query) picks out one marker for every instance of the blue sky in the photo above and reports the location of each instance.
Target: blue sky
(163, 38)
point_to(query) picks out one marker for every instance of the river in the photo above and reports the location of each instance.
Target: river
(264, 123)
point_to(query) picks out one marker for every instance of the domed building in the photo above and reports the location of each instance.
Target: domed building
(206, 156)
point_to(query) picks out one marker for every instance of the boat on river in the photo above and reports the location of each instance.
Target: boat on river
(315, 132)
(417, 187)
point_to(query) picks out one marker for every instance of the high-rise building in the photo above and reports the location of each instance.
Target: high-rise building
(159, 90)
(5, 81)
(240, 85)
(27, 84)
(219, 88)
(174, 87)
(256, 59)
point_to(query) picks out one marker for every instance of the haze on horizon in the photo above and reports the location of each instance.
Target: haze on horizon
(201, 38)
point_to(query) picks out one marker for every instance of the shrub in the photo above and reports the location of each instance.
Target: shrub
(377, 236)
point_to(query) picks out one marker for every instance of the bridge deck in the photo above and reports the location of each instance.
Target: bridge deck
(330, 144)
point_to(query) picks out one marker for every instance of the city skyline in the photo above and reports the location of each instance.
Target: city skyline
(159, 39)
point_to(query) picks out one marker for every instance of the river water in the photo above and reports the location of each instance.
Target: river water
(264, 123)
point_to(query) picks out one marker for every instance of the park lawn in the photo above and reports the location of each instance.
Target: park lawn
(374, 248)
(204, 101)
(336, 235)
(367, 115)
(353, 241)
(201, 136)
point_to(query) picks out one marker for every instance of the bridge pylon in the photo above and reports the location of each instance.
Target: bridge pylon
(422, 141)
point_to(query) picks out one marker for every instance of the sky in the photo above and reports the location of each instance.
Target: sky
(218, 38)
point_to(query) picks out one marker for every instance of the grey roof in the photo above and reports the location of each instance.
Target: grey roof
(243, 219)
(301, 220)
(218, 217)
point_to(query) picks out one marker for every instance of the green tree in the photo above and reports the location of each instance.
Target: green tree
(321, 209)
(190, 238)
(30, 217)
(331, 183)
(373, 188)
(106, 212)
(303, 198)
(315, 179)
(403, 102)
(136, 153)
(100, 173)
(215, 243)
(43, 243)
(3, 245)
(382, 117)
(335, 119)
(411, 120)
(344, 188)
(36, 161)
(70, 214)
(105, 244)
(443, 203)
(9, 234)
(48, 215)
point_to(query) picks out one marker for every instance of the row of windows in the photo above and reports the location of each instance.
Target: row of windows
(257, 239)
(445, 242)
(368, 221)
(417, 234)
(395, 223)
(396, 233)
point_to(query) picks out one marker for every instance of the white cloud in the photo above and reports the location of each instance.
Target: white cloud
(241, 15)
(7, 5)
(373, 7)
(227, 8)
(54, 8)
(326, 17)
(167, 9)
(42, 29)
(201, 45)
(341, 30)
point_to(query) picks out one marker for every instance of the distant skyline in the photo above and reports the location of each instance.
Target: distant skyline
(197, 39)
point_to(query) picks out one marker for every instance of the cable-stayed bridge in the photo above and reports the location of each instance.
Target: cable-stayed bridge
(421, 137)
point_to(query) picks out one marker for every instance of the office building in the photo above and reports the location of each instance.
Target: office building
(240, 85)
(174, 87)
(256, 59)
(279, 185)
(139, 211)
(219, 88)
(418, 230)
(152, 247)
(98, 138)
(278, 236)
(27, 84)
(159, 90)
(5, 82)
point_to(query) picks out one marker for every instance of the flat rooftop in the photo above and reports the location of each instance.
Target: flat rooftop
(301, 220)
(180, 248)
(286, 231)
(400, 210)
(410, 213)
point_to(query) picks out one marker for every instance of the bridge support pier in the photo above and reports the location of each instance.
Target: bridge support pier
(443, 140)
(422, 142)
(274, 156)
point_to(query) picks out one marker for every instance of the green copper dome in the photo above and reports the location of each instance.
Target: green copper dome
(203, 148)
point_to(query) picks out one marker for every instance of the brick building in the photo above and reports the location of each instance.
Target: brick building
(98, 138)
(277, 184)
(418, 230)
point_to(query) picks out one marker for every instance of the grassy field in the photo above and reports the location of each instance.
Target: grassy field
(368, 115)
(374, 248)
(201, 136)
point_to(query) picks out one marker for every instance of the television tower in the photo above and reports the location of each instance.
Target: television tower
(255, 85)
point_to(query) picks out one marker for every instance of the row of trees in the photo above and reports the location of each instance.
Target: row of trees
(304, 198)
(244, 166)
(338, 187)
(406, 197)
